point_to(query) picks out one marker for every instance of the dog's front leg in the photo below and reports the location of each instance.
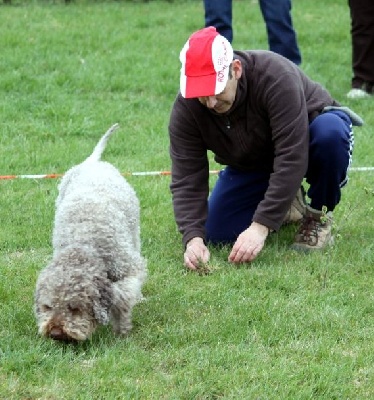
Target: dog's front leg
(125, 296)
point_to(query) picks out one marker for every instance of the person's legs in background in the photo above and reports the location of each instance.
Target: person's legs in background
(362, 36)
(281, 34)
(277, 16)
(218, 13)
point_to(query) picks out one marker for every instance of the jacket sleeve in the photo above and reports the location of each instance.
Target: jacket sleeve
(189, 171)
(286, 109)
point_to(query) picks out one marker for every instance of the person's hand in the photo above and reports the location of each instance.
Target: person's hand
(249, 243)
(196, 253)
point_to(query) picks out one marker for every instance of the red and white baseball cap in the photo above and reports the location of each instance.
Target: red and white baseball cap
(205, 59)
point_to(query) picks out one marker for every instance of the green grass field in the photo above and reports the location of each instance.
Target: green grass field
(287, 326)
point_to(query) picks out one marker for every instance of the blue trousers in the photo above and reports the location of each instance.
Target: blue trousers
(235, 197)
(277, 16)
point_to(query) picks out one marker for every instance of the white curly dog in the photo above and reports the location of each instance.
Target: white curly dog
(97, 270)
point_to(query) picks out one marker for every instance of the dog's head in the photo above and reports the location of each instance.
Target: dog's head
(73, 295)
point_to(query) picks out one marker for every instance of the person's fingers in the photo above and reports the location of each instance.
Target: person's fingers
(194, 255)
(188, 263)
(244, 253)
(237, 251)
(236, 255)
(205, 256)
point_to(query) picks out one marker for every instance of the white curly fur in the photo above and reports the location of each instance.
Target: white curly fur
(97, 269)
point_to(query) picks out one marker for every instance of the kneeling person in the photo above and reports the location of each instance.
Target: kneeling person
(271, 126)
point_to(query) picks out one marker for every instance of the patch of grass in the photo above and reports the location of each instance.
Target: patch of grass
(287, 326)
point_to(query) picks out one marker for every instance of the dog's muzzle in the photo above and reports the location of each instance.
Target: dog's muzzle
(57, 333)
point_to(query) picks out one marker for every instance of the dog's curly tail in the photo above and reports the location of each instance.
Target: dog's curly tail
(100, 147)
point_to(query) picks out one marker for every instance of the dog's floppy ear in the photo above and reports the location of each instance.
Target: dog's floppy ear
(103, 300)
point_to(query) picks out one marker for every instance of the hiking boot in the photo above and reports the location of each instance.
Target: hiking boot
(314, 232)
(297, 209)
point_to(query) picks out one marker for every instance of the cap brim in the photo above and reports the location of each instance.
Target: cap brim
(202, 86)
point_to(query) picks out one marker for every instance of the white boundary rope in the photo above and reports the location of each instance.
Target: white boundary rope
(141, 173)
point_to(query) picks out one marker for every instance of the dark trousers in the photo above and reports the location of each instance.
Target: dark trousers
(277, 16)
(362, 33)
(236, 195)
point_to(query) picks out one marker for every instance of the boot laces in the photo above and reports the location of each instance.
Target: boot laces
(309, 230)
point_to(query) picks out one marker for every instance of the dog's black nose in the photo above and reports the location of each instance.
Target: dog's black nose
(57, 333)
